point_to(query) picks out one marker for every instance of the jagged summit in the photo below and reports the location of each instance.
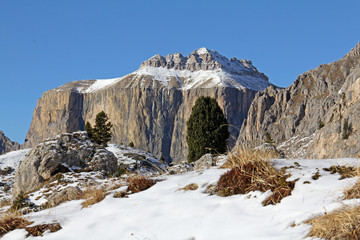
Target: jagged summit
(204, 68)
(355, 52)
(200, 59)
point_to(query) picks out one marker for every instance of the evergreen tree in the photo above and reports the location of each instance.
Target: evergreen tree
(346, 129)
(89, 129)
(207, 129)
(268, 138)
(101, 132)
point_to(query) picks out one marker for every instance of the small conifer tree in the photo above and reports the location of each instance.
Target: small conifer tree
(320, 124)
(89, 129)
(268, 138)
(207, 129)
(101, 132)
(346, 129)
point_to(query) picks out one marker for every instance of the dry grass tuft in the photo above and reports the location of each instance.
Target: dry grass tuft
(245, 154)
(354, 191)
(92, 196)
(139, 183)
(252, 171)
(38, 230)
(5, 203)
(344, 171)
(10, 221)
(190, 187)
(340, 224)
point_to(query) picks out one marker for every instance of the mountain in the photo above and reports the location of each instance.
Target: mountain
(150, 106)
(6, 145)
(307, 119)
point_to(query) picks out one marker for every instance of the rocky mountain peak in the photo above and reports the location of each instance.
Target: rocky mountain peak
(6, 145)
(201, 59)
(355, 52)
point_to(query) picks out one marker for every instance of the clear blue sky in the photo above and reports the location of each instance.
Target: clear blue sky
(44, 44)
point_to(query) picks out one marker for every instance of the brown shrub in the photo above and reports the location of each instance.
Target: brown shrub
(340, 224)
(139, 183)
(92, 196)
(252, 171)
(11, 221)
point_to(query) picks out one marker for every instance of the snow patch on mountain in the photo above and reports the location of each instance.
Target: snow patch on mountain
(100, 84)
(204, 78)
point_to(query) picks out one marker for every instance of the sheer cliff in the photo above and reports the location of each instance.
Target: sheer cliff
(150, 106)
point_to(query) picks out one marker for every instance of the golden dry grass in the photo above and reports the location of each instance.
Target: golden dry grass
(340, 224)
(10, 221)
(139, 183)
(5, 203)
(92, 196)
(242, 155)
(251, 170)
(353, 192)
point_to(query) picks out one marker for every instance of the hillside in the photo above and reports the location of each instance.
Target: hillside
(166, 211)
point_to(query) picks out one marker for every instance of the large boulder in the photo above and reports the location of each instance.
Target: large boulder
(63, 153)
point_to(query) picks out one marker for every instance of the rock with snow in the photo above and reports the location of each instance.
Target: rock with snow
(66, 194)
(6, 145)
(63, 153)
(205, 162)
(137, 161)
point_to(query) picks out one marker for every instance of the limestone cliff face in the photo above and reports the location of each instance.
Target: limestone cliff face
(6, 145)
(324, 96)
(150, 106)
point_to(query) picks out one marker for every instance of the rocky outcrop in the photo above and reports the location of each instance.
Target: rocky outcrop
(6, 145)
(150, 107)
(66, 194)
(307, 118)
(63, 153)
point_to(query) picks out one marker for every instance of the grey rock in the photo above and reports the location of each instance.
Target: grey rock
(6, 145)
(64, 195)
(63, 153)
(205, 162)
(329, 93)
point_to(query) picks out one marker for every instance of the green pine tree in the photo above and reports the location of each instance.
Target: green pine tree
(207, 129)
(101, 132)
(268, 138)
(346, 129)
(89, 129)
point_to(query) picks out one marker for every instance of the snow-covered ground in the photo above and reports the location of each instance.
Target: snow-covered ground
(166, 212)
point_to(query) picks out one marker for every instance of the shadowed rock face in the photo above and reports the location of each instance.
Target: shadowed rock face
(6, 145)
(150, 107)
(328, 94)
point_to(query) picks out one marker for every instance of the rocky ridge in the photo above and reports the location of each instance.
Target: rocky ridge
(150, 107)
(6, 145)
(307, 118)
